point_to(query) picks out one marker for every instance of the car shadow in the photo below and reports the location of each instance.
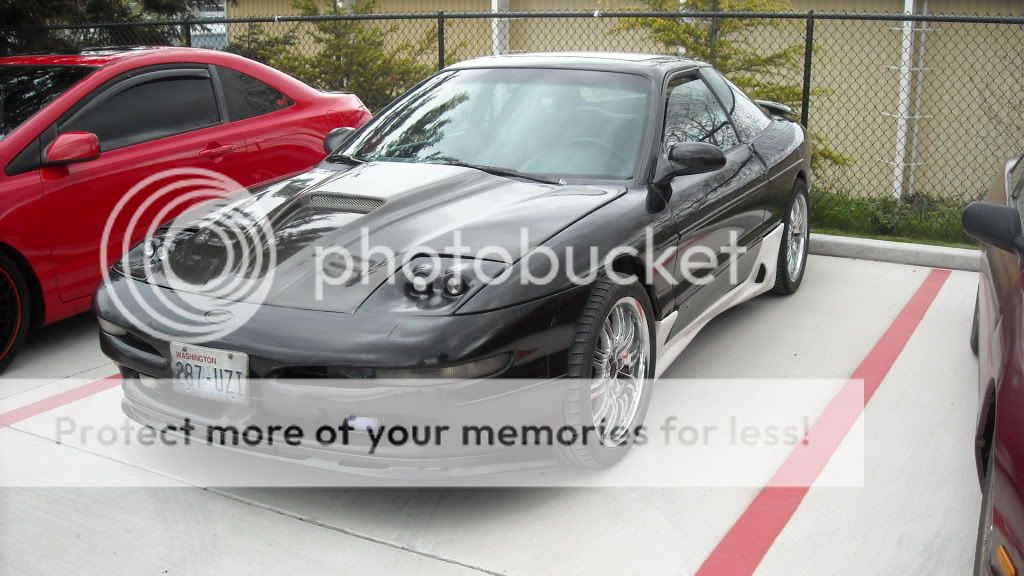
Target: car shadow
(60, 350)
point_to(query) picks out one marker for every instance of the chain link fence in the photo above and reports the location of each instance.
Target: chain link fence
(911, 116)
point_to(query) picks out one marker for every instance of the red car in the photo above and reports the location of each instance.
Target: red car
(77, 131)
(998, 339)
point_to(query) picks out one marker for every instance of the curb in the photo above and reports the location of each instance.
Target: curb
(896, 252)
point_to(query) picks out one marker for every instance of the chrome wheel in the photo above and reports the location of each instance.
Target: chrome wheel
(796, 237)
(621, 358)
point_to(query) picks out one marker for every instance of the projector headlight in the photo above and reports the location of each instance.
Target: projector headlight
(433, 285)
(144, 257)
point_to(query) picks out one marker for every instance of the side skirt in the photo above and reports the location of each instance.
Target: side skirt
(767, 258)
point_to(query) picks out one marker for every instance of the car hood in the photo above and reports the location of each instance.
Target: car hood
(390, 208)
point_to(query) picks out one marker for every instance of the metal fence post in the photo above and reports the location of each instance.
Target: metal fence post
(187, 28)
(440, 40)
(805, 101)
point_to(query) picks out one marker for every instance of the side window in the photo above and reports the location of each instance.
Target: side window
(149, 111)
(692, 114)
(248, 97)
(747, 116)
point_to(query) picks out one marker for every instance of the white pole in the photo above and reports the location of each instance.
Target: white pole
(922, 29)
(499, 29)
(902, 114)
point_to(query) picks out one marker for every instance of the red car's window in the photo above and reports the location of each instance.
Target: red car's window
(149, 111)
(25, 90)
(248, 97)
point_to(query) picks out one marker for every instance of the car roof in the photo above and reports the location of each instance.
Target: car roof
(111, 61)
(610, 61)
(97, 57)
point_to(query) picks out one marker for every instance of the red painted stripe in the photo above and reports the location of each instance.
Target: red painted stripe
(58, 400)
(750, 538)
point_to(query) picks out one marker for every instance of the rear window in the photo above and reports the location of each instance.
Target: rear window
(25, 90)
(248, 97)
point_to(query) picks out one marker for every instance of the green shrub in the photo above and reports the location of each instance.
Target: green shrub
(918, 218)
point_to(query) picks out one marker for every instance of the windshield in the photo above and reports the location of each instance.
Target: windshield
(572, 123)
(25, 90)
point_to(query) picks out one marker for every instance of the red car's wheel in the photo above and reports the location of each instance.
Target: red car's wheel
(13, 310)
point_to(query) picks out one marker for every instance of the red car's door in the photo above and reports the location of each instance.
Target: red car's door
(148, 121)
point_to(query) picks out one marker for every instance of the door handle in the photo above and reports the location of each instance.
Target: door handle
(217, 152)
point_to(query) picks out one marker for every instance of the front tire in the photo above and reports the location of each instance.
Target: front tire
(14, 310)
(795, 240)
(612, 364)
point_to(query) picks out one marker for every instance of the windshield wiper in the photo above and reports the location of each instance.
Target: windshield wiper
(498, 171)
(345, 158)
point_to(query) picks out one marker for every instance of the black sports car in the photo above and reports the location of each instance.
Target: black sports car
(567, 218)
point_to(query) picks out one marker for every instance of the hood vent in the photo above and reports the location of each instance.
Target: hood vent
(343, 203)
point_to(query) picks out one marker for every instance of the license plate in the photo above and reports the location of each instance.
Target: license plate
(210, 372)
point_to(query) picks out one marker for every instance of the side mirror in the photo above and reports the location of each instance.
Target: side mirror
(999, 226)
(72, 147)
(336, 138)
(686, 158)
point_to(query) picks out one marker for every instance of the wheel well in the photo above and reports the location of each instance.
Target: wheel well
(36, 305)
(632, 265)
(801, 176)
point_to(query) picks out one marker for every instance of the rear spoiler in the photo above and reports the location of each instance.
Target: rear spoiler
(777, 109)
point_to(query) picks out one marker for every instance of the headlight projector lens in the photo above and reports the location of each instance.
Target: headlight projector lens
(420, 285)
(454, 285)
(421, 280)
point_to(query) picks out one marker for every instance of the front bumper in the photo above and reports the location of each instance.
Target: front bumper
(356, 453)
(285, 344)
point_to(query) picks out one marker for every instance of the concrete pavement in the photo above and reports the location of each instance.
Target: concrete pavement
(917, 509)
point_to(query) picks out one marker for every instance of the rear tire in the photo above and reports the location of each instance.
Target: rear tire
(615, 332)
(14, 310)
(795, 240)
